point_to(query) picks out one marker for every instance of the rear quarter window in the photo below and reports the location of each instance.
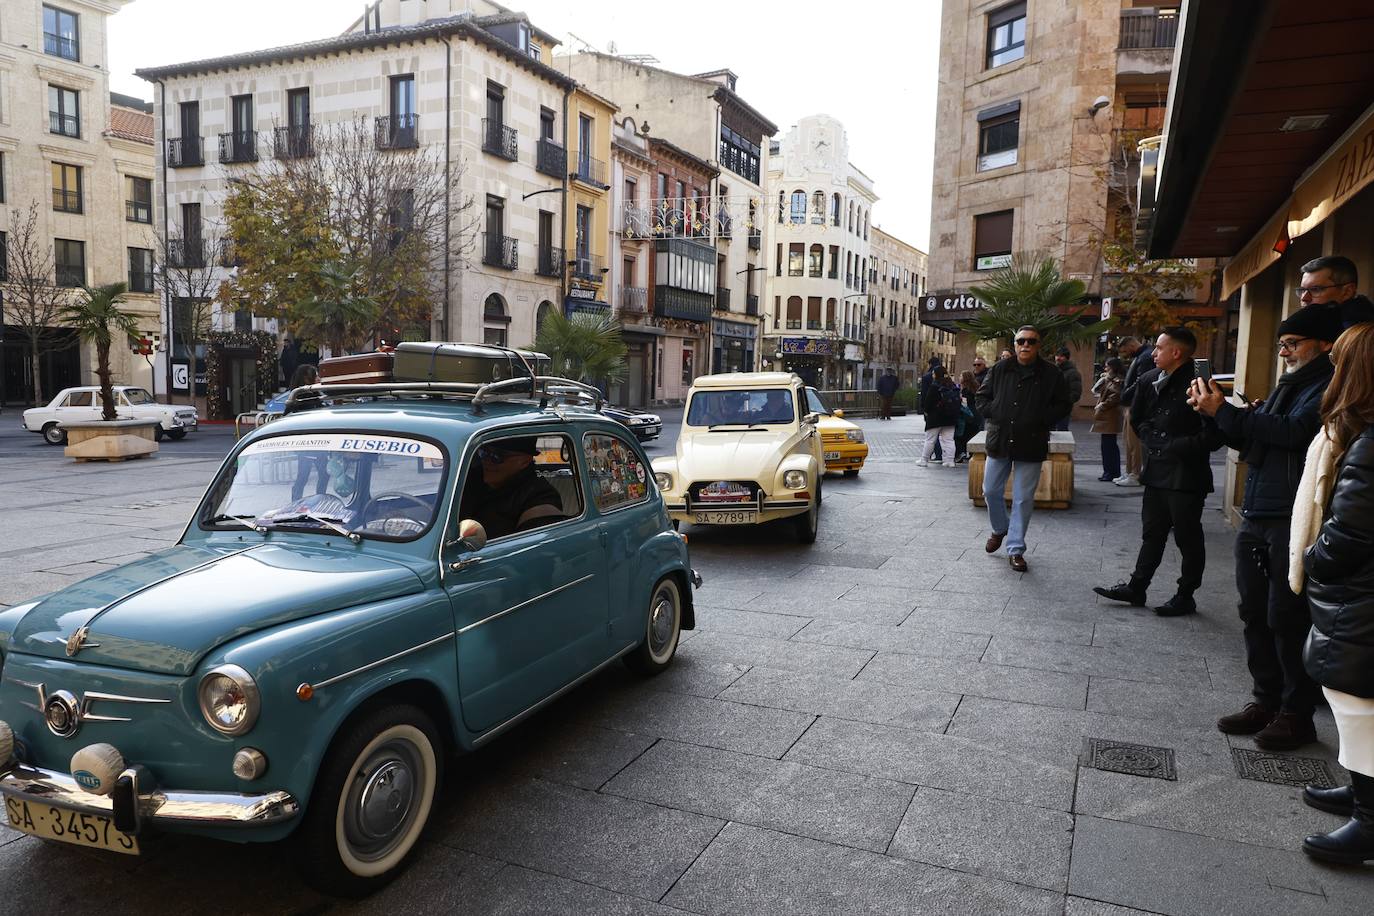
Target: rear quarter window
(618, 476)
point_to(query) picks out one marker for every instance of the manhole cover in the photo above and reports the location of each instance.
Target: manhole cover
(1133, 759)
(1282, 770)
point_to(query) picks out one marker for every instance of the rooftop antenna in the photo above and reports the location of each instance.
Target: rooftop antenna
(585, 44)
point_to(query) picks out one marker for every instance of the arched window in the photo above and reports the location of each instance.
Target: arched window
(495, 321)
(835, 209)
(794, 313)
(866, 214)
(818, 208)
(541, 315)
(817, 260)
(851, 216)
(798, 206)
(782, 205)
(830, 314)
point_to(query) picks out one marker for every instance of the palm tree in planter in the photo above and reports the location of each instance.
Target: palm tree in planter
(585, 347)
(98, 318)
(1032, 291)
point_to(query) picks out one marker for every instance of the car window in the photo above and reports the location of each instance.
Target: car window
(380, 486)
(518, 483)
(137, 396)
(814, 404)
(618, 476)
(727, 407)
(80, 399)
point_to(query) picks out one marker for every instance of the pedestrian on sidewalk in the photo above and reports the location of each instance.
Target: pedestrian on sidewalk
(969, 424)
(1177, 474)
(1064, 360)
(941, 408)
(1332, 283)
(1020, 402)
(1139, 358)
(1273, 439)
(1331, 541)
(1107, 416)
(926, 381)
(980, 372)
(887, 389)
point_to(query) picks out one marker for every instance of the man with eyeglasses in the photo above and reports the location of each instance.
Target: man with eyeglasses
(1273, 438)
(504, 493)
(980, 371)
(1332, 283)
(1020, 401)
(1177, 474)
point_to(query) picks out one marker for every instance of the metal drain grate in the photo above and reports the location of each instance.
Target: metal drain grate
(1283, 770)
(1132, 759)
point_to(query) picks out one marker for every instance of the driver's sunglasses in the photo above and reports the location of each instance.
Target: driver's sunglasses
(1028, 341)
(491, 455)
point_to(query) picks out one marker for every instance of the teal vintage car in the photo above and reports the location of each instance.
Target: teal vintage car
(360, 595)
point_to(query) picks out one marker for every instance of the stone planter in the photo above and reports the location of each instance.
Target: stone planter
(1055, 490)
(110, 440)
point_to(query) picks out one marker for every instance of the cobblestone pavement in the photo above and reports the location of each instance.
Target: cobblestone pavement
(888, 721)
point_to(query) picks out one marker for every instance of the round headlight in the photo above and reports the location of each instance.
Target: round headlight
(229, 700)
(794, 480)
(663, 481)
(855, 435)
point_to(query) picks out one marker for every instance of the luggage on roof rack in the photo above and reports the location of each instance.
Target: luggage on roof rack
(478, 364)
(360, 369)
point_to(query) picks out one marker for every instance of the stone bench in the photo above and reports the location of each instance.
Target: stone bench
(1055, 490)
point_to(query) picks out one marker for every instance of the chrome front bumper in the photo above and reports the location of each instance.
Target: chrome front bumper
(136, 803)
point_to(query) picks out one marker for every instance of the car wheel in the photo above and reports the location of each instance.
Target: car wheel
(54, 434)
(851, 472)
(809, 523)
(662, 629)
(176, 435)
(371, 801)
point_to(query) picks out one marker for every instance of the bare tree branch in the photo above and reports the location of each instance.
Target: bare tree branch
(34, 303)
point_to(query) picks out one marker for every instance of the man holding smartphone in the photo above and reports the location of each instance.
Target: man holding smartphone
(1273, 438)
(1177, 475)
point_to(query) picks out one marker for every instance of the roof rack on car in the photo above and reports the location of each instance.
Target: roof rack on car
(534, 387)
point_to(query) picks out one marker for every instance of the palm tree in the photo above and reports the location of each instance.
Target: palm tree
(337, 316)
(1031, 291)
(98, 318)
(585, 347)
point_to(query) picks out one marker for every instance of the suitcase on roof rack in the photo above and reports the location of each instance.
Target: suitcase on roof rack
(473, 364)
(359, 369)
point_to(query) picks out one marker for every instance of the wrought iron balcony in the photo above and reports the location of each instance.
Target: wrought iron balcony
(634, 300)
(141, 282)
(499, 140)
(1146, 28)
(751, 304)
(500, 251)
(138, 211)
(755, 241)
(549, 262)
(295, 141)
(551, 159)
(64, 201)
(58, 46)
(228, 255)
(185, 252)
(71, 274)
(590, 171)
(398, 131)
(238, 146)
(587, 267)
(723, 298)
(64, 125)
(184, 152)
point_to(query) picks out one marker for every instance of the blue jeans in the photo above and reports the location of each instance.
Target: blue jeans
(1026, 479)
(1111, 456)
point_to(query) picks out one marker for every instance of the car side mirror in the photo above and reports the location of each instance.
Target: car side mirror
(812, 419)
(837, 413)
(472, 537)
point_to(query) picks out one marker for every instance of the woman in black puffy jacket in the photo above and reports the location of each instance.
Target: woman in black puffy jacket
(1339, 568)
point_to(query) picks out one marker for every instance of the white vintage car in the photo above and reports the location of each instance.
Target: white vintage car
(748, 452)
(81, 405)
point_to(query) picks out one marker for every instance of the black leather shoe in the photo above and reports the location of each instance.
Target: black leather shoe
(1288, 732)
(1123, 591)
(1248, 721)
(1177, 606)
(1352, 844)
(1338, 801)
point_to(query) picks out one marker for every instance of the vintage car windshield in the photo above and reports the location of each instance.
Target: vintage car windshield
(747, 407)
(380, 486)
(137, 396)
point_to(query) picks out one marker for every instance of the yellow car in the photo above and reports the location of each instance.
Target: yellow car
(842, 442)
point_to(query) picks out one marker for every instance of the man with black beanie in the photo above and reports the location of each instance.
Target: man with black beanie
(1273, 439)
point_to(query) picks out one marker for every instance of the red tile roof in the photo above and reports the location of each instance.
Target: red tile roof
(131, 125)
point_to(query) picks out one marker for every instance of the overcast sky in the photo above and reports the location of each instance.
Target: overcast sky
(870, 63)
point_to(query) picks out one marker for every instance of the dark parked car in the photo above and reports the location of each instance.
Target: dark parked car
(645, 426)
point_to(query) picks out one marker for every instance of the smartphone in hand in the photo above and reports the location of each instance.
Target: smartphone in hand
(1202, 368)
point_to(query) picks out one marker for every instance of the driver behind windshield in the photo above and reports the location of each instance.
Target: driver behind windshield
(507, 495)
(776, 408)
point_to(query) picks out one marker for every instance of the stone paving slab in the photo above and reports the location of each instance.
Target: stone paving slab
(859, 700)
(908, 639)
(1132, 665)
(974, 678)
(778, 653)
(517, 891)
(748, 623)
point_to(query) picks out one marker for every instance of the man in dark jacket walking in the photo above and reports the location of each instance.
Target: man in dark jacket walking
(1177, 476)
(1273, 440)
(1064, 360)
(1020, 401)
(1139, 356)
(887, 389)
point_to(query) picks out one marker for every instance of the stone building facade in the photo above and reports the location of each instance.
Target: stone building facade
(898, 337)
(86, 158)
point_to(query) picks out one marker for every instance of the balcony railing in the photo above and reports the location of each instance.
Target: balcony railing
(635, 223)
(64, 201)
(755, 241)
(1141, 29)
(185, 252)
(295, 141)
(500, 140)
(228, 256)
(183, 152)
(549, 262)
(238, 146)
(751, 304)
(398, 131)
(138, 211)
(551, 159)
(141, 282)
(500, 251)
(71, 274)
(634, 300)
(723, 298)
(590, 171)
(587, 267)
(64, 125)
(58, 46)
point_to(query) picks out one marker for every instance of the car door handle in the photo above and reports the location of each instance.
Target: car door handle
(460, 565)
